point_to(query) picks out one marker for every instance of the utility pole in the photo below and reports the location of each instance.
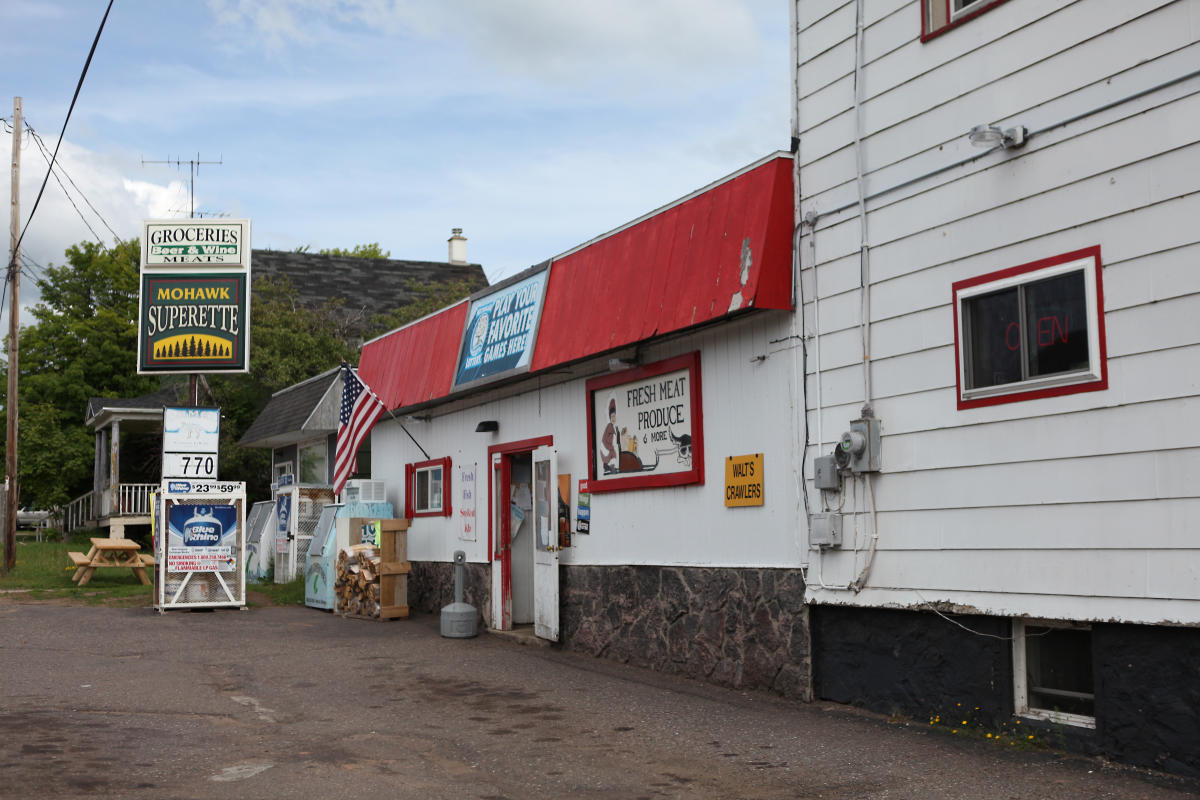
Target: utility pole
(193, 383)
(10, 405)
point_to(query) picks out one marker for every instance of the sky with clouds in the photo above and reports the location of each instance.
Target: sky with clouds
(534, 125)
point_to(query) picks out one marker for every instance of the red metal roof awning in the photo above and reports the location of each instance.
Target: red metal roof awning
(720, 252)
(415, 364)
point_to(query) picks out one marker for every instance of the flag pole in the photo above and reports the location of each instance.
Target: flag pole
(396, 419)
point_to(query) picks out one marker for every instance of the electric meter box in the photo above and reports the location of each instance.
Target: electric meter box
(825, 530)
(825, 474)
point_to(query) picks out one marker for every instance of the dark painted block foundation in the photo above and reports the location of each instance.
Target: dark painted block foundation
(1148, 695)
(920, 665)
(913, 664)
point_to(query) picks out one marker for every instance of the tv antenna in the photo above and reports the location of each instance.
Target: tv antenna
(194, 164)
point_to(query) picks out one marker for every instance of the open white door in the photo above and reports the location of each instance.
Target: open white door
(545, 553)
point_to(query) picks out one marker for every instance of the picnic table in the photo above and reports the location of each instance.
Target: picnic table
(111, 553)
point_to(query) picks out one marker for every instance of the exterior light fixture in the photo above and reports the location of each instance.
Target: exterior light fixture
(618, 364)
(487, 426)
(994, 135)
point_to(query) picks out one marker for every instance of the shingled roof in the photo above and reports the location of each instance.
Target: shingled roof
(368, 285)
(292, 413)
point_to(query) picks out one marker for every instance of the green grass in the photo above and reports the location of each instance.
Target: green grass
(44, 570)
(281, 594)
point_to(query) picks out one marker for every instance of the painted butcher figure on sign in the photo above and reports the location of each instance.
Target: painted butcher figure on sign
(610, 442)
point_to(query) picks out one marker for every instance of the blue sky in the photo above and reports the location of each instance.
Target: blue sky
(534, 125)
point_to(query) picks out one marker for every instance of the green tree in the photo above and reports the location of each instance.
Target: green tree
(368, 250)
(81, 344)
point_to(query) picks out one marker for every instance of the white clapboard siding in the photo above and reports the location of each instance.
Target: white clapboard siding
(919, 143)
(1037, 180)
(1045, 48)
(1161, 375)
(1136, 330)
(1158, 524)
(1158, 425)
(890, 159)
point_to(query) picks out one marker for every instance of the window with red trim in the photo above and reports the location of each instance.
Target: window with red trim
(1035, 330)
(427, 488)
(938, 16)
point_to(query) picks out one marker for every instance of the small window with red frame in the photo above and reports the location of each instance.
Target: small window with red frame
(427, 489)
(938, 16)
(1035, 330)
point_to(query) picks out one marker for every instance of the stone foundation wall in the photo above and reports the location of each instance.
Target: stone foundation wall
(742, 628)
(431, 587)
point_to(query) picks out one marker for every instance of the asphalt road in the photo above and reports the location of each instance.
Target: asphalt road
(297, 703)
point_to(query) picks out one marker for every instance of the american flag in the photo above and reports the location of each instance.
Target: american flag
(361, 409)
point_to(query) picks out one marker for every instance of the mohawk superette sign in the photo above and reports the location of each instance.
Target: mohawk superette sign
(193, 323)
(194, 305)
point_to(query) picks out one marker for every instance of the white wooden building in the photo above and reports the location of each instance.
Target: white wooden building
(1021, 314)
(678, 326)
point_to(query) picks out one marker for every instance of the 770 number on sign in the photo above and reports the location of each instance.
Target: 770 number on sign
(189, 465)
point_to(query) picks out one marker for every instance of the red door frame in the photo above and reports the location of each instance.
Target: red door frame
(496, 539)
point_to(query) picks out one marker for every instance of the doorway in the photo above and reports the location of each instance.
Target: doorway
(519, 587)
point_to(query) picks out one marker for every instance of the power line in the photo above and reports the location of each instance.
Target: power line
(78, 86)
(58, 180)
(45, 154)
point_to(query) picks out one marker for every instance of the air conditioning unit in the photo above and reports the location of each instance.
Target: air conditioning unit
(363, 491)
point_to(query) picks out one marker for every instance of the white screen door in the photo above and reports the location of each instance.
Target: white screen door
(545, 553)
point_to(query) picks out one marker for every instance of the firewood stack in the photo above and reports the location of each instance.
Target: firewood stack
(357, 583)
(372, 580)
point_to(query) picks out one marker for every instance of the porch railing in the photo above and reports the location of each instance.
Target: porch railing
(78, 513)
(132, 500)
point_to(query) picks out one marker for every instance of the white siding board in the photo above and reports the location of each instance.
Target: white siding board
(927, 287)
(1164, 275)
(889, 158)
(1095, 198)
(1026, 105)
(1083, 573)
(820, 70)
(828, 102)
(1156, 326)
(1124, 526)
(1059, 49)
(824, 34)
(810, 12)
(836, 276)
(1161, 425)
(1108, 152)
(1131, 476)
(828, 136)
(1161, 375)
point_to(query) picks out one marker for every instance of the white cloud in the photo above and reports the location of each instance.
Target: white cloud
(613, 46)
(103, 180)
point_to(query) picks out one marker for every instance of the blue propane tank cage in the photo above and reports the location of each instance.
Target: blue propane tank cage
(321, 562)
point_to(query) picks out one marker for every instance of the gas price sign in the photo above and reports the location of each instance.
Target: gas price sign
(191, 440)
(190, 465)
